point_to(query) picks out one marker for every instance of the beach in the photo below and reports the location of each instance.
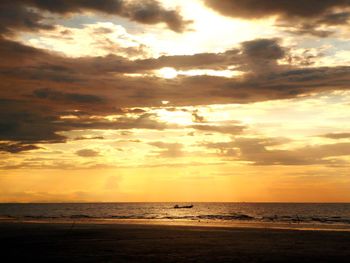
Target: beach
(130, 241)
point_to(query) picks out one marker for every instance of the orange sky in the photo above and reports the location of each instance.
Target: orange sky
(153, 101)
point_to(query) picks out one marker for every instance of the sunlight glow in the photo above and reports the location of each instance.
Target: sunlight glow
(210, 72)
(167, 73)
(175, 117)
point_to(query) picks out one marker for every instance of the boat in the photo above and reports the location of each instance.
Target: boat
(185, 206)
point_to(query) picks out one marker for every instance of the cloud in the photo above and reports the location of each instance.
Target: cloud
(81, 138)
(306, 17)
(307, 29)
(17, 17)
(196, 117)
(261, 55)
(343, 135)
(17, 147)
(100, 39)
(257, 151)
(87, 153)
(265, 79)
(24, 15)
(221, 128)
(169, 150)
(198, 61)
(40, 89)
(259, 9)
(21, 122)
(46, 66)
(265, 49)
(55, 95)
(28, 122)
(336, 18)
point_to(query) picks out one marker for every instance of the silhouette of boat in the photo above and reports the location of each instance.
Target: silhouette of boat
(185, 206)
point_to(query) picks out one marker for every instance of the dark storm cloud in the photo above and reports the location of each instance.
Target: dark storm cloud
(257, 152)
(24, 15)
(298, 16)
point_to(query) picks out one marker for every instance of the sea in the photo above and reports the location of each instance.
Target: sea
(294, 213)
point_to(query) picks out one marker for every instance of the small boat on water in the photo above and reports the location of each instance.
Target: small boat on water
(185, 206)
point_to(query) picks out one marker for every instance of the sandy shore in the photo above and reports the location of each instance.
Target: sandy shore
(139, 242)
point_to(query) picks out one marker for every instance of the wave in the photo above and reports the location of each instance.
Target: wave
(208, 217)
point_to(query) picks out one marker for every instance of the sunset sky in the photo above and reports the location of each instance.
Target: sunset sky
(174, 100)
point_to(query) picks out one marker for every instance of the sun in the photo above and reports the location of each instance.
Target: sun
(175, 117)
(167, 73)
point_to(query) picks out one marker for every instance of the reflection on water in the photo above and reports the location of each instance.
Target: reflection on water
(261, 212)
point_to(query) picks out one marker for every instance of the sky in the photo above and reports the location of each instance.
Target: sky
(174, 100)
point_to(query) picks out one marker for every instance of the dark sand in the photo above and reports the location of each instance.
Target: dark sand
(88, 242)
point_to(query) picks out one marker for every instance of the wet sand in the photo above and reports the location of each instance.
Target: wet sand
(138, 242)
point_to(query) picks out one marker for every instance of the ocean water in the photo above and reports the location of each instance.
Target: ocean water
(320, 213)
